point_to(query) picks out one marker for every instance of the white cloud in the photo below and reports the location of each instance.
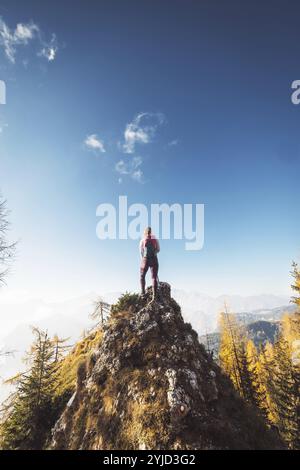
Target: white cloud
(49, 50)
(25, 32)
(138, 175)
(11, 39)
(173, 143)
(141, 130)
(94, 143)
(127, 168)
(137, 161)
(22, 35)
(122, 168)
(130, 168)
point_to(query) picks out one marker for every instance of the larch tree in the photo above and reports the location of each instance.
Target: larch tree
(232, 353)
(296, 284)
(7, 249)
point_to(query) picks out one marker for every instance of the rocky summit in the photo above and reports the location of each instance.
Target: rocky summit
(149, 384)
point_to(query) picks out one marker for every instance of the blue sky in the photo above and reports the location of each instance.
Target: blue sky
(205, 88)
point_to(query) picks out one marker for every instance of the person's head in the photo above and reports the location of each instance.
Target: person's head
(147, 232)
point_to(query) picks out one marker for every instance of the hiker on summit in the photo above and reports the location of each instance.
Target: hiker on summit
(149, 247)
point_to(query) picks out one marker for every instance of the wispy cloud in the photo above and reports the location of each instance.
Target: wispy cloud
(24, 32)
(138, 176)
(49, 50)
(93, 142)
(172, 143)
(130, 168)
(3, 125)
(141, 130)
(22, 35)
(10, 40)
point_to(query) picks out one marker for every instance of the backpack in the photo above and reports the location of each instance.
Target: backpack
(149, 251)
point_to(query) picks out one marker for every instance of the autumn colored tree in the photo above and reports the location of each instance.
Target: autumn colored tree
(232, 354)
(296, 284)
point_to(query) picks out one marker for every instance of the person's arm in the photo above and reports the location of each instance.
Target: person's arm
(157, 246)
(141, 248)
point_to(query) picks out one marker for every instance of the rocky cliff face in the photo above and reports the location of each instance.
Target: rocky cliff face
(149, 384)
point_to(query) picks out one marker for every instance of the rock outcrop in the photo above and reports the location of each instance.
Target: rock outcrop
(149, 384)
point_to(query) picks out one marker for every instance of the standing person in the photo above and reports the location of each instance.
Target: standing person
(149, 247)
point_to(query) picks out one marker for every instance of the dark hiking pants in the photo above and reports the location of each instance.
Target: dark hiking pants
(151, 263)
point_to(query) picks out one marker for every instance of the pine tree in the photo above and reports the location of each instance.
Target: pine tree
(287, 380)
(257, 394)
(60, 348)
(30, 411)
(279, 387)
(265, 389)
(248, 391)
(292, 331)
(101, 312)
(232, 354)
(286, 372)
(296, 285)
(283, 385)
(270, 378)
(228, 355)
(295, 443)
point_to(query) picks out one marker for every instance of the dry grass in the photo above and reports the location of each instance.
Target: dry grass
(74, 359)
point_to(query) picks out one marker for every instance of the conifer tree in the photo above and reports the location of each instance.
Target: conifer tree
(265, 389)
(284, 386)
(101, 312)
(228, 353)
(293, 332)
(30, 411)
(296, 284)
(60, 348)
(286, 379)
(270, 378)
(232, 354)
(256, 392)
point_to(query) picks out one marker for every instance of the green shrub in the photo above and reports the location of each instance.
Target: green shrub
(125, 302)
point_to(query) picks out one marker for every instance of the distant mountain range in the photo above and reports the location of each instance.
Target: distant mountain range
(202, 311)
(260, 332)
(269, 315)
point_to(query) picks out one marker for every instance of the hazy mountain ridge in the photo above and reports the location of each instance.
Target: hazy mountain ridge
(202, 311)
